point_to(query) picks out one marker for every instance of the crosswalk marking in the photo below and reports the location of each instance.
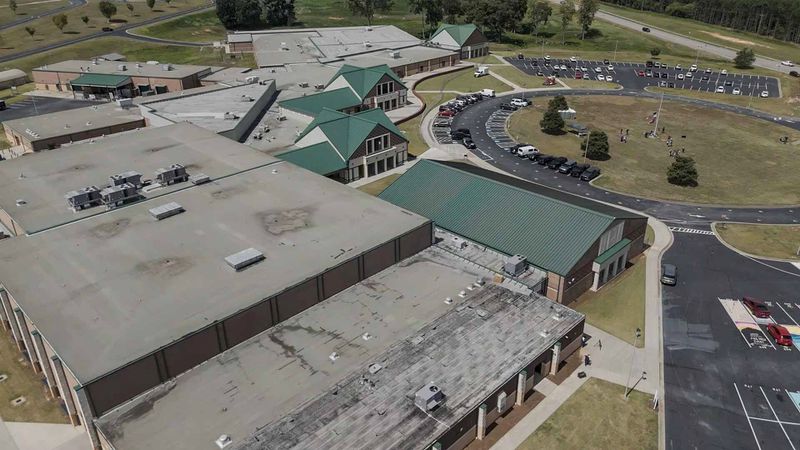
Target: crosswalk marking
(690, 230)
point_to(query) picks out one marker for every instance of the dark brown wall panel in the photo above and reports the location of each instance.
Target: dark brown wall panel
(378, 259)
(187, 353)
(416, 241)
(124, 384)
(297, 299)
(340, 278)
(248, 323)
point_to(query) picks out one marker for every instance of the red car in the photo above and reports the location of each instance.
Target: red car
(780, 334)
(756, 307)
(640, 73)
(446, 113)
(578, 75)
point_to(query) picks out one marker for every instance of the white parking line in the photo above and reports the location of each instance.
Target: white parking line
(790, 317)
(775, 421)
(749, 422)
(776, 418)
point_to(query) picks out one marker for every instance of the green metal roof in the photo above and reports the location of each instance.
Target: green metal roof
(101, 80)
(459, 33)
(612, 251)
(551, 228)
(320, 158)
(346, 132)
(363, 79)
(311, 105)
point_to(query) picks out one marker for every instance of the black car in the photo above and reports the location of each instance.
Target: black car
(590, 174)
(457, 136)
(513, 149)
(606, 62)
(728, 83)
(669, 274)
(664, 75)
(2, 105)
(468, 143)
(534, 63)
(464, 131)
(794, 73)
(556, 162)
(578, 169)
(520, 56)
(672, 85)
(705, 78)
(508, 107)
(107, 29)
(649, 64)
(544, 159)
(646, 29)
(567, 166)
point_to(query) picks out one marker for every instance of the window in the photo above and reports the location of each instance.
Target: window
(377, 144)
(611, 237)
(385, 88)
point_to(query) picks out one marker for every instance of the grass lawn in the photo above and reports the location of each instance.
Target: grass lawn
(462, 81)
(727, 37)
(723, 152)
(135, 51)
(200, 27)
(618, 307)
(597, 416)
(518, 77)
(589, 84)
(649, 236)
(12, 96)
(16, 39)
(23, 382)
(417, 145)
(772, 241)
(376, 187)
(27, 8)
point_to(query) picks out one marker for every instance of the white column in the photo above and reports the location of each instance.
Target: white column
(86, 413)
(596, 282)
(16, 332)
(26, 339)
(481, 422)
(63, 387)
(41, 354)
(556, 355)
(521, 378)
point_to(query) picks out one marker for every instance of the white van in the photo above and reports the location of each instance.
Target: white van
(519, 102)
(487, 92)
(527, 151)
(481, 71)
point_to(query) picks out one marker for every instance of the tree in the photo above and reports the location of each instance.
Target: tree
(451, 9)
(744, 58)
(31, 31)
(248, 13)
(226, 12)
(129, 6)
(431, 12)
(12, 5)
(655, 51)
(598, 146)
(167, 2)
(586, 13)
(85, 20)
(496, 16)
(682, 172)
(558, 103)
(567, 11)
(60, 21)
(107, 9)
(368, 8)
(152, 3)
(552, 122)
(277, 12)
(538, 13)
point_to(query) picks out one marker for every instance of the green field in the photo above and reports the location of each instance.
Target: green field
(200, 27)
(416, 144)
(16, 39)
(597, 416)
(135, 51)
(378, 186)
(618, 307)
(772, 241)
(26, 8)
(723, 144)
(727, 37)
(461, 81)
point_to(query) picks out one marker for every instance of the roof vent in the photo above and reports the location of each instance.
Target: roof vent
(229, 116)
(303, 84)
(122, 67)
(244, 259)
(375, 368)
(319, 87)
(367, 44)
(394, 54)
(516, 265)
(199, 178)
(21, 202)
(284, 47)
(223, 441)
(429, 397)
(167, 210)
(166, 67)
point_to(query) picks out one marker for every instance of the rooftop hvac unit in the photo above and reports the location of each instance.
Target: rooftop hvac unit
(244, 259)
(367, 44)
(122, 67)
(199, 178)
(132, 177)
(167, 210)
(247, 98)
(429, 397)
(114, 196)
(125, 102)
(166, 67)
(172, 174)
(284, 47)
(83, 198)
(229, 116)
(319, 87)
(251, 79)
(303, 84)
(515, 265)
(394, 54)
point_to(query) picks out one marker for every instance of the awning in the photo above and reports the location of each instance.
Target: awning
(101, 80)
(612, 251)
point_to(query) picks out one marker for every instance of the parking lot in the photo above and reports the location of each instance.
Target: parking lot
(773, 414)
(754, 330)
(635, 76)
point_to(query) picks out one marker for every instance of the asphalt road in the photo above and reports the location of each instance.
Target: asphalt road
(33, 106)
(26, 19)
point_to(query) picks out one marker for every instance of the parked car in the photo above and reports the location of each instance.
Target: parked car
(640, 73)
(544, 160)
(464, 131)
(578, 169)
(787, 63)
(107, 29)
(520, 56)
(704, 78)
(609, 67)
(736, 91)
(649, 64)
(457, 135)
(720, 90)
(693, 68)
(657, 64)
(468, 143)
(708, 70)
(526, 151)
(534, 62)
(728, 83)
(601, 77)
(724, 72)
(556, 162)
(680, 76)
(794, 73)
(578, 75)
(780, 334)
(646, 29)
(584, 69)
(606, 62)
(664, 75)
(513, 148)
(662, 84)
(447, 113)
(508, 107)
(441, 123)
(598, 69)
(3, 105)
(547, 57)
(648, 73)
(573, 59)
(670, 85)
(567, 166)
(678, 67)
(520, 102)
(590, 174)
(669, 274)
(764, 94)
(689, 75)
(756, 307)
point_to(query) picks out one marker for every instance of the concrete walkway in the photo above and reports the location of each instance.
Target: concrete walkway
(42, 436)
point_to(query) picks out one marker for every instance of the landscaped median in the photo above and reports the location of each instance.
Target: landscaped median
(769, 241)
(461, 81)
(411, 127)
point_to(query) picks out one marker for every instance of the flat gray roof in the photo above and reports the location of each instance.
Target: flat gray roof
(109, 289)
(288, 76)
(408, 55)
(41, 179)
(133, 69)
(210, 110)
(285, 374)
(79, 120)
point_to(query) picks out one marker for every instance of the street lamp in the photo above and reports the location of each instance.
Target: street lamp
(638, 334)
(586, 147)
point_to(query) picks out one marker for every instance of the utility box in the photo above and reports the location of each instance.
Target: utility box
(429, 397)
(84, 198)
(173, 174)
(516, 265)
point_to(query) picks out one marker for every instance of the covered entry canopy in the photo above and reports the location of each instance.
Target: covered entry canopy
(101, 80)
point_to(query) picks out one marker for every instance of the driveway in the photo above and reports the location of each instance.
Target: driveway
(33, 106)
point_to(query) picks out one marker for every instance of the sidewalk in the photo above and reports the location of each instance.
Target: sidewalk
(41, 436)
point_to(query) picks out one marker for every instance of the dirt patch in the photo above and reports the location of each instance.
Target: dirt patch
(733, 39)
(109, 229)
(283, 221)
(166, 267)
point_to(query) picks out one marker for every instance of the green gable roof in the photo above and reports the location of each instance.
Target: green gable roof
(347, 132)
(551, 228)
(363, 79)
(101, 80)
(459, 33)
(612, 251)
(311, 105)
(320, 158)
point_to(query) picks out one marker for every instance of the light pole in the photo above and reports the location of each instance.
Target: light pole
(615, 50)
(658, 115)
(586, 147)
(630, 371)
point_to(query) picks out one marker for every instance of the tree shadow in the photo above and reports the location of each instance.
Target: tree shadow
(118, 21)
(555, 132)
(157, 10)
(72, 32)
(593, 33)
(503, 39)
(599, 157)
